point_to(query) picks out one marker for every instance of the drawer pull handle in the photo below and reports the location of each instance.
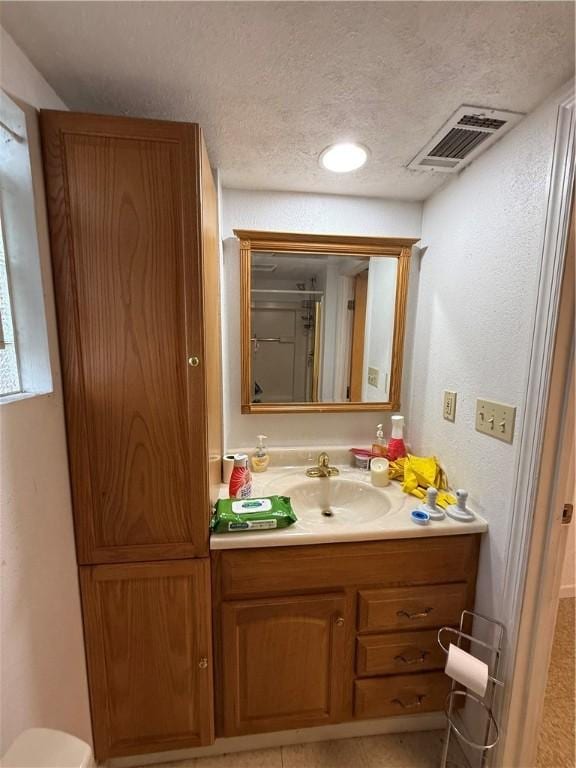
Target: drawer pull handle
(340, 621)
(410, 705)
(401, 659)
(203, 663)
(419, 615)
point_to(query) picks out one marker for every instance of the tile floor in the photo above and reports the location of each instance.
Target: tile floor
(399, 750)
(556, 748)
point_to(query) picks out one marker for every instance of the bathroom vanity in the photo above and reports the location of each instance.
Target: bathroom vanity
(322, 634)
(190, 637)
(336, 619)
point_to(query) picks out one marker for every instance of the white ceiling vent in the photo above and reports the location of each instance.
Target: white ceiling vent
(469, 131)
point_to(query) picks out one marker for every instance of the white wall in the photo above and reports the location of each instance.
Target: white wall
(296, 212)
(475, 313)
(41, 649)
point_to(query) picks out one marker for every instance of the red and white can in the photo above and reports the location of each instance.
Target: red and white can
(240, 486)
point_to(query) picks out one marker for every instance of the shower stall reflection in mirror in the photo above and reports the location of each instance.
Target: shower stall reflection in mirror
(286, 345)
(289, 327)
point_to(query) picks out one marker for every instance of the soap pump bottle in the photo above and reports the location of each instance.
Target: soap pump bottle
(260, 458)
(379, 445)
(396, 445)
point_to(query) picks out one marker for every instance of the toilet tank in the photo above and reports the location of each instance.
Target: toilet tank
(45, 748)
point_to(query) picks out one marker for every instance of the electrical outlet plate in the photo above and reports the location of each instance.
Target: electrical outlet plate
(449, 411)
(373, 376)
(495, 419)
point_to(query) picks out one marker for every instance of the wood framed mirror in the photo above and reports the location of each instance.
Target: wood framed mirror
(322, 321)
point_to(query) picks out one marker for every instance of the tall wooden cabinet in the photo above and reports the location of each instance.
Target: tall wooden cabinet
(133, 234)
(134, 240)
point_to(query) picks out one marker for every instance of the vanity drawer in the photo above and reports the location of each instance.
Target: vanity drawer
(398, 653)
(401, 694)
(241, 573)
(409, 607)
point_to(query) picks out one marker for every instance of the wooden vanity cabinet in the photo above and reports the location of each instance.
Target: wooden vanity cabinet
(134, 241)
(319, 634)
(148, 633)
(133, 230)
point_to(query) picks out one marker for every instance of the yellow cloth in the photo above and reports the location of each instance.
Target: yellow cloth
(417, 473)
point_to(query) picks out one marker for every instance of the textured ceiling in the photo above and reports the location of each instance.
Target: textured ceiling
(272, 84)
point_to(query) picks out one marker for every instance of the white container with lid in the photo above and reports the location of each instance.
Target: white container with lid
(46, 748)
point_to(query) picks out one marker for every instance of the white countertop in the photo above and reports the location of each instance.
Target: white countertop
(384, 513)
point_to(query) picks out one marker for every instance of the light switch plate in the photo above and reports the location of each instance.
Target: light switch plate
(449, 411)
(495, 419)
(373, 376)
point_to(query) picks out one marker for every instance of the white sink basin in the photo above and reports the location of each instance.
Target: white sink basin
(357, 511)
(332, 501)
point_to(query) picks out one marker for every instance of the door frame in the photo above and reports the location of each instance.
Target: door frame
(358, 335)
(531, 584)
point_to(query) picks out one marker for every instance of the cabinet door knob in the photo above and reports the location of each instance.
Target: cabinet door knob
(194, 361)
(340, 621)
(203, 663)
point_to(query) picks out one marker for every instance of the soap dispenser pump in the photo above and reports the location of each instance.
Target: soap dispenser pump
(260, 458)
(379, 444)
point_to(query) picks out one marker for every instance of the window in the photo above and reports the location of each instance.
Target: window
(25, 368)
(9, 374)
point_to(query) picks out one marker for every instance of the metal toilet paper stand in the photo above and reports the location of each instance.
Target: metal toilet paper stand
(485, 704)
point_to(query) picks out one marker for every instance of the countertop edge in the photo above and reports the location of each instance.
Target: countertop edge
(227, 541)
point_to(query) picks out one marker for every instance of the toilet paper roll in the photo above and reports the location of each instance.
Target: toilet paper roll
(467, 669)
(227, 467)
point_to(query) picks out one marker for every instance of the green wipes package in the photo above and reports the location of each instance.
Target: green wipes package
(236, 515)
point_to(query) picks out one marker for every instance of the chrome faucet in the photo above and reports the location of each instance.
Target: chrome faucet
(323, 468)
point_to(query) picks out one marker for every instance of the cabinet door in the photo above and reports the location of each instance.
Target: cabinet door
(148, 647)
(124, 213)
(283, 661)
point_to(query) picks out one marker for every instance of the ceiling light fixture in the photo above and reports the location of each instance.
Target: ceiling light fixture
(343, 158)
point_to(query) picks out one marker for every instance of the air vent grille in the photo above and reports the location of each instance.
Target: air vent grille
(469, 131)
(482, 122)
(458, 143)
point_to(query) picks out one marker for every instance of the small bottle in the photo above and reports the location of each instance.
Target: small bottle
(379, 445)
(396, 446)
(240, 480)
(260, 458)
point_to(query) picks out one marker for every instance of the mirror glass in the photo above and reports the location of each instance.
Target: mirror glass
(322, 327)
